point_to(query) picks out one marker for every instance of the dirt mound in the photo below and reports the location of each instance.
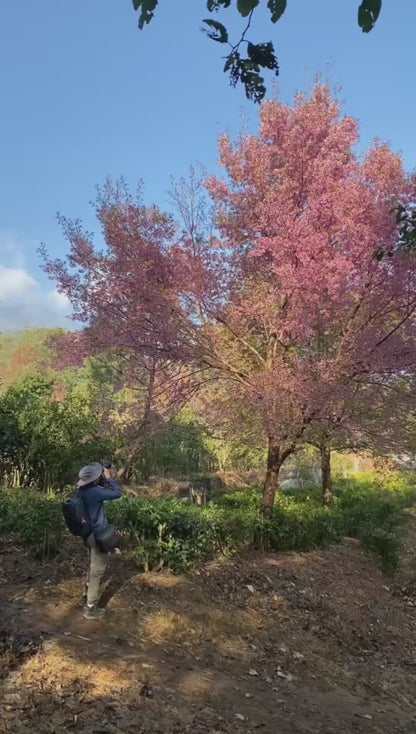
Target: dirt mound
(297, 643)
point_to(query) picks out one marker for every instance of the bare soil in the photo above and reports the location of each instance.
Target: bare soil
(320, 642)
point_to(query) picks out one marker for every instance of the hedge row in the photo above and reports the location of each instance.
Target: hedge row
(177, 535)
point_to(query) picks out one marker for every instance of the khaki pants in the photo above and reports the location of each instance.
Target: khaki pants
(96, 569)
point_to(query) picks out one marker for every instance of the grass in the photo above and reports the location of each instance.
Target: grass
(166, 532)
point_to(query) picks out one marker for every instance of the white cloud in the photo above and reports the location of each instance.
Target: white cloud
(15, 282)
(25, 304)
(27, 300)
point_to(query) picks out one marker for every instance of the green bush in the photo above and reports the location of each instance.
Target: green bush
(178, 535)
(44, 441)
(35, 519)
(166, 532)
(370, 507)
(303, 527)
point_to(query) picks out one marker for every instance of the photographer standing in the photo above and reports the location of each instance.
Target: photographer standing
(96, 486)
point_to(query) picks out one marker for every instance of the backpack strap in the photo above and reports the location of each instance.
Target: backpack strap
(87, 514)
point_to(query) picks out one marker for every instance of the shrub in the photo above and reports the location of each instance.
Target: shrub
(370, 507)
(303, 527)
(166, 532)
(35, 519)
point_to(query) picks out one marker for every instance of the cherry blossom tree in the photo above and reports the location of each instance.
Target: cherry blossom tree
(307, 309)
(127, 303)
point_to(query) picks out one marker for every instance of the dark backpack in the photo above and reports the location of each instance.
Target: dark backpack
(76, 518)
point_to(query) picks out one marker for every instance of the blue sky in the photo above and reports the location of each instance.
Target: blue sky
(86, 95)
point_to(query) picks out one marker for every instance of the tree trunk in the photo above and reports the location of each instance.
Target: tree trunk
(325, 449)
(271, 484)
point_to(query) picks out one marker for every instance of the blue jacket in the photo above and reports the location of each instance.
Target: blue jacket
(94, 499)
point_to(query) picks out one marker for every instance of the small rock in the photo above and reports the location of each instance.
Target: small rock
(286, 676)
(252, 672)
(298, 656)
(240, 717)
(248, 695)
(250, 588)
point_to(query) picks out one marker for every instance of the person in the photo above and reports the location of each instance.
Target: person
(95, 486)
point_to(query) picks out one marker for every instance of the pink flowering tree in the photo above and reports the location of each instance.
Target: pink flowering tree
(125, 299)
(312, 293)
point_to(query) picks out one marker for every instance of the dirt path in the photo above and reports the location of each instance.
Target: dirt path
(298, 643)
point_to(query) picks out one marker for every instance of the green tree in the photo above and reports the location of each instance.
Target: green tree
(44, 439)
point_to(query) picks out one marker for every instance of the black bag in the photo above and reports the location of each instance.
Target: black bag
(107, 540)
(76, 518)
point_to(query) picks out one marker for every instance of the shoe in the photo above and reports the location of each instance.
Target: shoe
(94, 612)
(82, 603)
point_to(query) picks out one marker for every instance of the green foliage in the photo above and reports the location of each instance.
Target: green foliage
(44, 440)
(244, 499)
(217, 4)
(245, 7)
(368, 13)
(218, 33)
(369, 507)
(146, 8)
(406, 219)
(35, 519)
(178, 451)
(230, 454)
(178, 535)
(51, 423)
(185, 449)
(260, 56)
(277, 8)
(302, 527)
